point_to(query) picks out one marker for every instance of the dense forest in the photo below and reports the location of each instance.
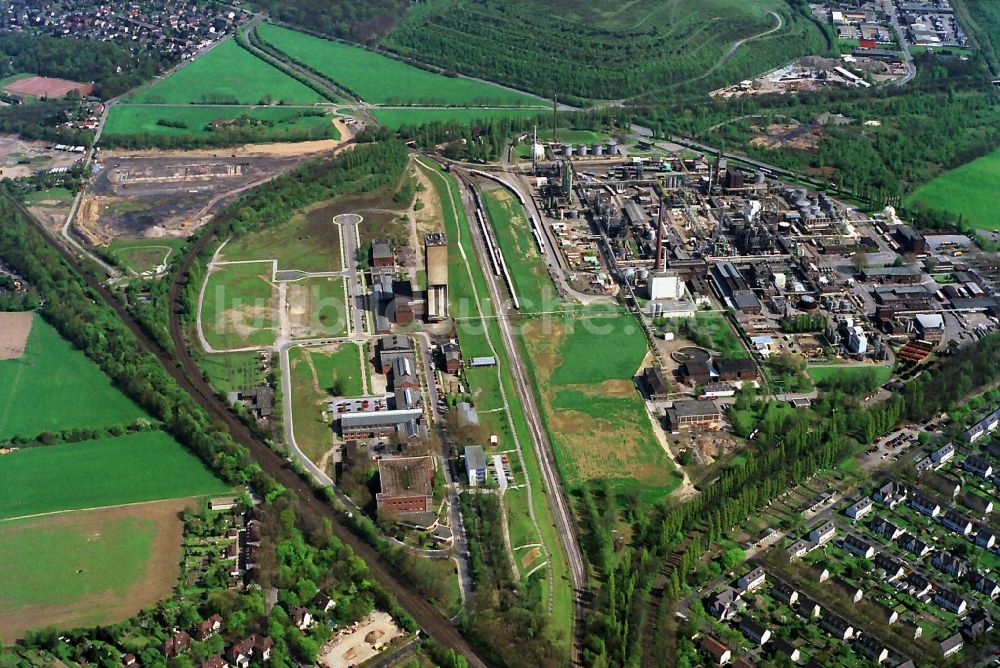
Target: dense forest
(347, 19)
(113, 68)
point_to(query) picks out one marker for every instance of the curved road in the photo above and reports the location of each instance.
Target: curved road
(188, 376)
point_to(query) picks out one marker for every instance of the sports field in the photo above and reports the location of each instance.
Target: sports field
(54, 386)
(396, 118)
(90, 567)
(273, 123)
(520, 250)
(583, 370)
(383, 80)
(969, 191)
(129, 469)
(240, 307)
(228, 74)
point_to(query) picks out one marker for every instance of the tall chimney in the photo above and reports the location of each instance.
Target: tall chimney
(659, 239)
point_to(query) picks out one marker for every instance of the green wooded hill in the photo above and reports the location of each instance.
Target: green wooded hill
(577, 49)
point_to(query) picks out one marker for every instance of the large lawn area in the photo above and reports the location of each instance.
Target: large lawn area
(310, 241)
(278, 123)
(312, 386)
(240, 307)
(317, 307)
(520, 251)
(396, 118)
(379, 79)
(969, 191)
(54, 387)
(228, 74)
(141, 255)
(597, 421)
(103, 472)
(89, 567)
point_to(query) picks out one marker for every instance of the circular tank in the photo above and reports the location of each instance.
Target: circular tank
(572, 213)
(567, 151)
(807, 303)
(643, 273)
(582, 149)
(597, 149)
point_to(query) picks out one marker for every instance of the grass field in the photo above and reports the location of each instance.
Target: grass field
(317, 307)
(89, 567)
(54, 386)
(379, 79)
(229, 372)
(969, 191)
(311, 385)
(310, 241)
(583, 373)
(527, 267)
(60, 195)
(340, 371)
(228, 74)
(280, 123)
(396, 118)
(128, 469)
(142, 255)
(820, 373)
(239, 309)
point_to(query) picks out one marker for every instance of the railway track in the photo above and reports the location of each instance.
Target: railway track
(186, 373)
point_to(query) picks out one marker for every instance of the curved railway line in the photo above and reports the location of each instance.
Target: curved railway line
(186, 373)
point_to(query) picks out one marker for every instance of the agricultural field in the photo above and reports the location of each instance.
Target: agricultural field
(397, 118)
(140, 467)
(228, 74)
(90, 567)
(53, 386)
(143, 255)
(968, 191)
(273, 123)
(520, 250)
(583, 372)
(240, 306)
(383, 80)
(310, 241)
(606, 50)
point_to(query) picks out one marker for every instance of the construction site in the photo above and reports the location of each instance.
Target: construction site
(156, 195)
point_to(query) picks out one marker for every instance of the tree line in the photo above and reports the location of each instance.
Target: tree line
(112, 68)
(670, 542)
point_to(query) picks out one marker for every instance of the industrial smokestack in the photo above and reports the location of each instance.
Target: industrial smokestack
(659, 239)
